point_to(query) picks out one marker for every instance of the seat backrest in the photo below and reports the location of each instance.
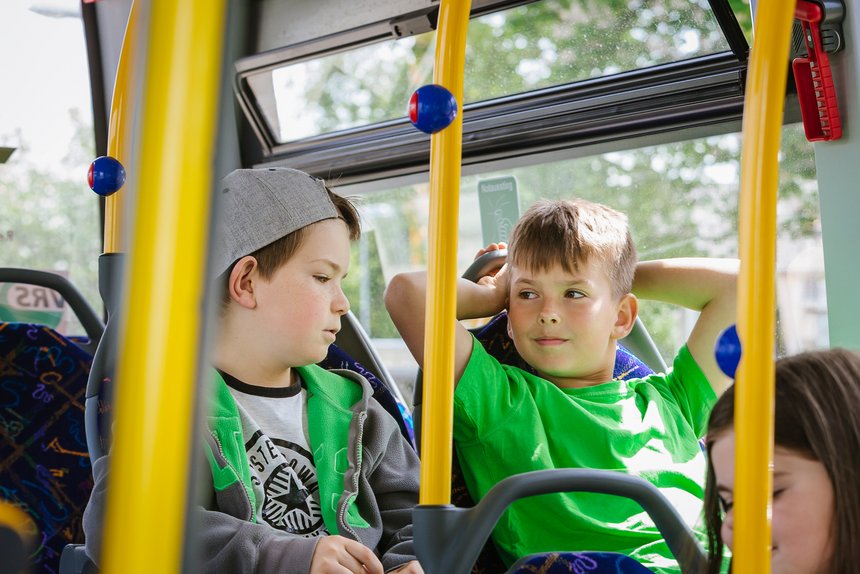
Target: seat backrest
(567, 562)
(44, 465)
(390, 399)
(44, 462)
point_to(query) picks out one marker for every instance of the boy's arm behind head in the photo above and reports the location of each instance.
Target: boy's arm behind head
(405, 299)
(707, 285)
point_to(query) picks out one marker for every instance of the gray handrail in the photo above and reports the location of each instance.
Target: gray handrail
(355, 342)
(93, 326)
(449, 539)
(104, 361)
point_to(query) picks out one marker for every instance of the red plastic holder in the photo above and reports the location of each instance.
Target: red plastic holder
(815, 90)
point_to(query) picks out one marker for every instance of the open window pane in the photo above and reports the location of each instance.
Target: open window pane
(530, 47)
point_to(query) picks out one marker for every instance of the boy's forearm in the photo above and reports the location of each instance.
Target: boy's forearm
(408, 292)
(691, 282)
(705, 285)
(405, 300)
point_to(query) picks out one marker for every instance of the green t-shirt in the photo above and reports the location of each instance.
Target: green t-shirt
(508, 421)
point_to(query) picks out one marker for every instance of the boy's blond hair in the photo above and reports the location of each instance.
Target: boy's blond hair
(567, 232)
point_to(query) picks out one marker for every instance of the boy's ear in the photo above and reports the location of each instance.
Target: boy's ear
(243, 278)
(628, 308)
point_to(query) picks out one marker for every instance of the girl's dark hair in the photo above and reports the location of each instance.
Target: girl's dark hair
(816, 415)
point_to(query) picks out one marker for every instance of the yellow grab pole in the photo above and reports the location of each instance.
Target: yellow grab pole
(20, 536)
(441, 310)
(119, 132)
(754, 398)
(159, 340)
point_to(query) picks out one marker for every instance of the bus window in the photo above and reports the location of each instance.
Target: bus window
(50, 219)
(538, 45)
(681, 199)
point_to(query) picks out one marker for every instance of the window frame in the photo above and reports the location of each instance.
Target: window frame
(690, 93)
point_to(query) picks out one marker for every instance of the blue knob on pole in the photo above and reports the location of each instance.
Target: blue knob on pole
(106, 175)
(728, 351)
(432, 108)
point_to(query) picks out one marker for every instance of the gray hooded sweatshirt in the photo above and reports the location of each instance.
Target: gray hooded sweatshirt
(361, 459)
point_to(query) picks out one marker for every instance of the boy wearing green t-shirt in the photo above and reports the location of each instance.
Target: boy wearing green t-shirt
(570, 287)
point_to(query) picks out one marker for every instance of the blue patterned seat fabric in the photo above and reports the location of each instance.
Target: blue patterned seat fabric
(44, 463)
(578, 563)
(494, 337)
(338, 359)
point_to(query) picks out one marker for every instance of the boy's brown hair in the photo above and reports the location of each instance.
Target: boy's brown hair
(567, 232)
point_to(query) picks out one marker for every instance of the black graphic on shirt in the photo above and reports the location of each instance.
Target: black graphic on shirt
(286, 472)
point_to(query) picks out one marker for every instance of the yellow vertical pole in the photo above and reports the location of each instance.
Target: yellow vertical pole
(754, 398)
(119, 131)
(159, 339)
(441, 311)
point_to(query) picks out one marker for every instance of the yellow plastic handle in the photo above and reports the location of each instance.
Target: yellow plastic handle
(159, 339)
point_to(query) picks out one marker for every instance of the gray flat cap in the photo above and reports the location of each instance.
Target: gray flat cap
(260, 206)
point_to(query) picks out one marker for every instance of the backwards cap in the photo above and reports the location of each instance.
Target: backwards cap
(260, 206)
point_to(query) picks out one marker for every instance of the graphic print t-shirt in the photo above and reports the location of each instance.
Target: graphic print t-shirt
(283, 474)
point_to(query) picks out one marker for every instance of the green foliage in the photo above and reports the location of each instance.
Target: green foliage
(529, 47)
(50, 218)
(365, 286)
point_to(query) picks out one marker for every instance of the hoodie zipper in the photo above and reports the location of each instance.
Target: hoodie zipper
(355, 477)
(253, 517)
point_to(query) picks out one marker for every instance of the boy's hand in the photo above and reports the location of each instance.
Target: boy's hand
(339, 555)
(489, 249)
(500, 281)
(412, 567)
(498, 275)
(494, 266)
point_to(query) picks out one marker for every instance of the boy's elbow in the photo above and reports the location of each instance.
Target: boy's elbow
(393, 292)
(722, 279)
(399, 292)
(731, 267)
(731, 270)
